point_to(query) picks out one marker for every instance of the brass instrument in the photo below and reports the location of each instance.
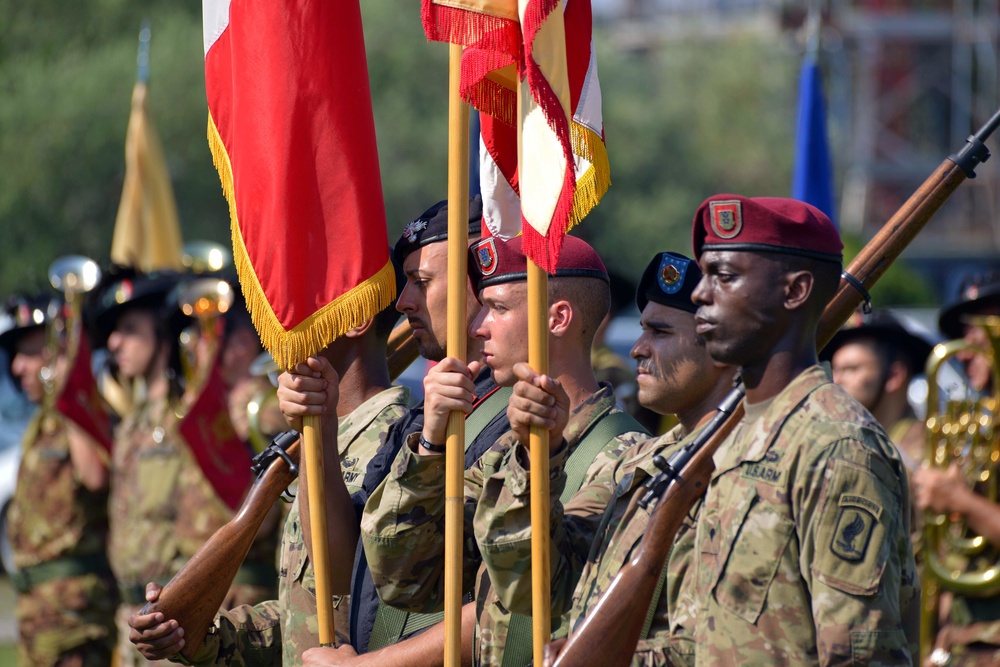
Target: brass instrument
(961, 432)
(204, 299)
(72, 275)
(262, 401)
(205, 256)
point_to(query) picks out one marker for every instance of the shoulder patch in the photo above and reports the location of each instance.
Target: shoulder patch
(853, 533)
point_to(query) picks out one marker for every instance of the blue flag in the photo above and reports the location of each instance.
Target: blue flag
(812, 174)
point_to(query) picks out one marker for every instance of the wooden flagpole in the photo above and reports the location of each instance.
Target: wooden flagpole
(312, 451)
(538, 358)
(458, 246)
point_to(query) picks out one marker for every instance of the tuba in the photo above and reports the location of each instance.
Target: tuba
(961, 431)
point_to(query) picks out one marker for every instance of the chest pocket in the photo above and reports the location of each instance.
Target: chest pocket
(755, 553)
(293, 547)
(157, 471)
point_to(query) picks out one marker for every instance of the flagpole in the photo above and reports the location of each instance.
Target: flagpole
(538, 358)
(312, 449)
(458, 244)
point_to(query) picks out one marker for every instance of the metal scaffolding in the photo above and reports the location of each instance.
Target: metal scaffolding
(920, 78)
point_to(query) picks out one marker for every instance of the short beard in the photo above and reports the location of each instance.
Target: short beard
(431, 350)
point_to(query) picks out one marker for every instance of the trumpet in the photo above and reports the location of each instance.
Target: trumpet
(961, 432)
(73, 275)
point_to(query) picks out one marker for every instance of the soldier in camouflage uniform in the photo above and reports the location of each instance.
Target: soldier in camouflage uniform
(162, 507)
(403, 523)
(57, 520)
(806, 517)
(365, 404)
(874, 360)
(676, 376)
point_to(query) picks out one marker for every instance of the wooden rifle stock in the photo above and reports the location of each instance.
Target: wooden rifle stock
(609, 634)
(195, 594)
(401, 350)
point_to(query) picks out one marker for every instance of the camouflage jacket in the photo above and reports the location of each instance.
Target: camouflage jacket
(278, 631)
(620, 533)
(162, 508)
(52, 516)
(403, 523)
(806, 517)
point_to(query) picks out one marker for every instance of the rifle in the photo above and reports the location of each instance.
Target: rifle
(610, 633)
(194, 595)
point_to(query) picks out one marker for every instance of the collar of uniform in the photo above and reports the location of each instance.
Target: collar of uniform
(753, 440)
(363, 415)
(587, 413)
(641, 457)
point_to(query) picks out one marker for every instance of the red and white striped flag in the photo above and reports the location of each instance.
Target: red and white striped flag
(293, 137)
(546, 47)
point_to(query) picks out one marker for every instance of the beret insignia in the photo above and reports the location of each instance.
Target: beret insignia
(486, 256)
(672, 272)
(412, 229)
(727, 218)
(124, 291)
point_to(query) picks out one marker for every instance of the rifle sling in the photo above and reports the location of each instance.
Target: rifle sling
(392, 624)
(651, 614)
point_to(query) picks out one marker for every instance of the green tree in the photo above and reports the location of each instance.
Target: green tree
(684, 119)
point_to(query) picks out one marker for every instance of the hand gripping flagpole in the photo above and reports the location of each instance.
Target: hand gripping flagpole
(458, 245)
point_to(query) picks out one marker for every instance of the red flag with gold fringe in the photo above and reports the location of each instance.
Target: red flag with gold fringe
(548, 49)
(293, 137)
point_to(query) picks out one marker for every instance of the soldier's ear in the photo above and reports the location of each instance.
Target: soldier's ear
(798, 287)
(360, 330)
(561, 317)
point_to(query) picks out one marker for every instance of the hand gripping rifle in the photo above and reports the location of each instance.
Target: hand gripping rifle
(609, 634)
(195, 594)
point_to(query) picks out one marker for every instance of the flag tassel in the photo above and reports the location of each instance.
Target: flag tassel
(315, 332)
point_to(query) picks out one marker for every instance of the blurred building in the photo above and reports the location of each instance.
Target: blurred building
(907, 81)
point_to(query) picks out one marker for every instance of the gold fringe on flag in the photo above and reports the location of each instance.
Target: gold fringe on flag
(593, 183)
(329, 322)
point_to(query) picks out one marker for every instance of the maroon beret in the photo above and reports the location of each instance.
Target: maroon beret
(765, 224)
(493, 261)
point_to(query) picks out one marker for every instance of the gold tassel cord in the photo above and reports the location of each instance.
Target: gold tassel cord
(593, 183)
(325, 325)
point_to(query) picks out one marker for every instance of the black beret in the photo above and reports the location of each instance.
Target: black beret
(884, 327)
(432, 226)
(25, 313)
(126, 289)
(669, 279)
(977, 293)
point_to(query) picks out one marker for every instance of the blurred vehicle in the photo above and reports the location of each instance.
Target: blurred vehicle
(15, 411)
